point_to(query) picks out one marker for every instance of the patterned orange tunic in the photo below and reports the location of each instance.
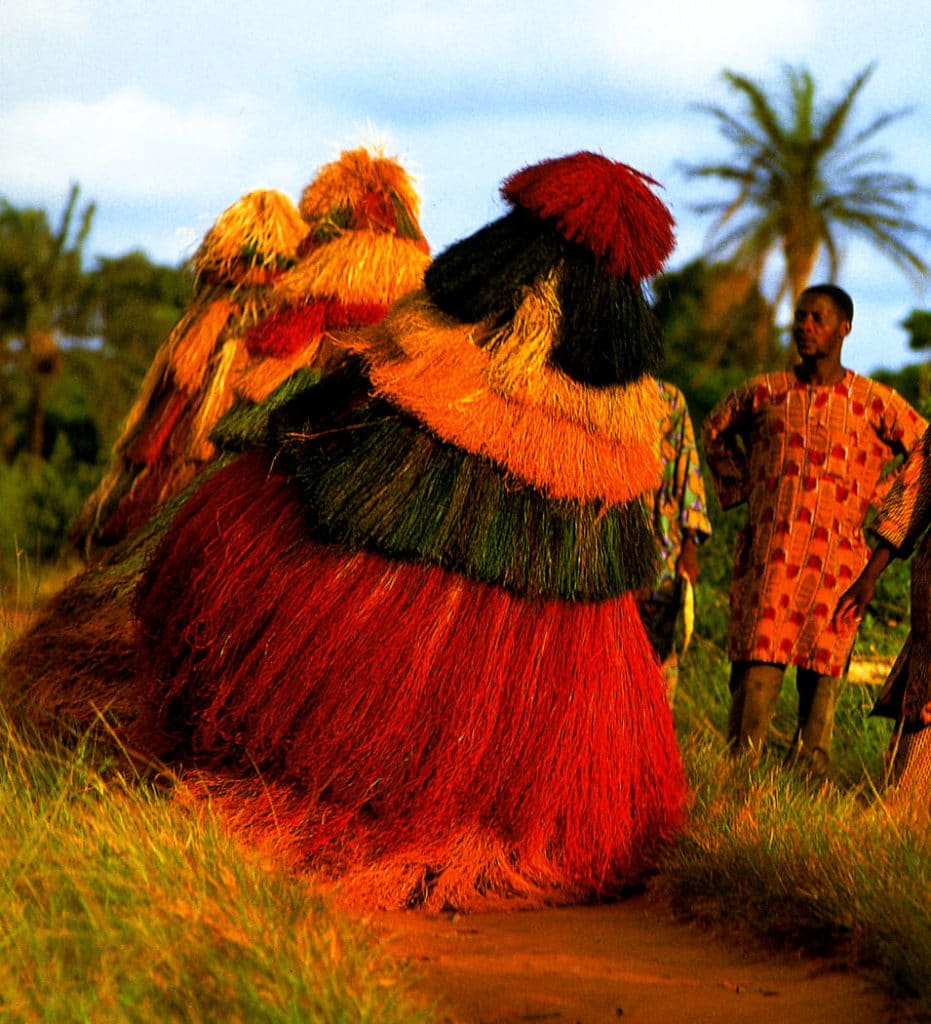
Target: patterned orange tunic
(808, 460)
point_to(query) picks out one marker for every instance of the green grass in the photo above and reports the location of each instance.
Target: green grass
(820, 870)
(823, 868)
(119, 905)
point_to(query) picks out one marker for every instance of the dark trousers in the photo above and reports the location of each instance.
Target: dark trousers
(755, 687)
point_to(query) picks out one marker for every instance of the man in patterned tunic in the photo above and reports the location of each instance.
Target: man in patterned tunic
(806, 449)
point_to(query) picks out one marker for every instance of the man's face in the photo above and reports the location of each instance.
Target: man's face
(819, 328)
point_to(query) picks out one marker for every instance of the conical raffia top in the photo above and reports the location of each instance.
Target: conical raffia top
(606, 206)
(252, 241)
(363, 250)
(593, 228)
(362, 190)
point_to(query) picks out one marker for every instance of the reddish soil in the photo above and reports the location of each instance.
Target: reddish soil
(629, 960)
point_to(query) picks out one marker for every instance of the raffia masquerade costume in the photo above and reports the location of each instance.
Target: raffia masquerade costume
(276, 287)
(411, 612)
(165, 441)
(274, 284)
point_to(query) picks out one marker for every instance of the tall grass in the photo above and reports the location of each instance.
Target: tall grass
(119, 905)
(828, 867)
(814, 869)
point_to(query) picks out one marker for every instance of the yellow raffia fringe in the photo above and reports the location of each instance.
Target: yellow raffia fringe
(519, 365)
(261, 230)
(345, 183)
(259, 378)
(418, 340)
(357, 266)
(216, 400)
(194, 339)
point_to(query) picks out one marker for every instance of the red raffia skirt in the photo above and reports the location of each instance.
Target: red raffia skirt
(413, 736)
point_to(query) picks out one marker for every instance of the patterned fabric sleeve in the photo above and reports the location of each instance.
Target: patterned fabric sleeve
(901, 428)
(690, 486)
(906, 512)
(723, 437)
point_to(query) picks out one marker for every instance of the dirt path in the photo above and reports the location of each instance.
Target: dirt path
(630, 960)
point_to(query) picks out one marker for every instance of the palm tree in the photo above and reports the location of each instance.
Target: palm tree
(804, 179)
(43, 297)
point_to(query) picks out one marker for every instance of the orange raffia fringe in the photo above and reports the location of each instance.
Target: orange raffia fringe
(571, 442)
(194, 339)
(217, 399)
(260, 231)
(356, 267)
(257, 380)
(347, 182)
(515, 362)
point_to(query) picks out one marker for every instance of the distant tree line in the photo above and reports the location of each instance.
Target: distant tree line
(74, 346)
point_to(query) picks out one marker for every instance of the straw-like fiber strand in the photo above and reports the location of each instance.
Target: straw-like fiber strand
(193, 341)
(355, 267)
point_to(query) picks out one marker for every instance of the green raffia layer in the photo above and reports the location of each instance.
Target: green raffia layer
(248, 425)
(373, 478)
(608, 334)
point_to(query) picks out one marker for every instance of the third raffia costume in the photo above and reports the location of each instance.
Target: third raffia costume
(165, 441)
(277, 285)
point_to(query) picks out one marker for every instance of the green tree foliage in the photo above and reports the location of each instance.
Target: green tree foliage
(74, 347)
(803, 178)
(718, 329)
(43, 298)
(918, 325)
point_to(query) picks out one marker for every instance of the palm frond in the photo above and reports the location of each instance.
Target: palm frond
(800, 169)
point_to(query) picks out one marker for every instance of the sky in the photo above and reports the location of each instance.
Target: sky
(165, 113)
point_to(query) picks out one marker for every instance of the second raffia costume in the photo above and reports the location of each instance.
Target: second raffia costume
(276, 288)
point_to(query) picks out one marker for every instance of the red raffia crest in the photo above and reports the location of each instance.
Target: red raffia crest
(604, 205)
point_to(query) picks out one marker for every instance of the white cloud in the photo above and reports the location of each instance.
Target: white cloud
(126, 144)
(686, 44)
(20, 22)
